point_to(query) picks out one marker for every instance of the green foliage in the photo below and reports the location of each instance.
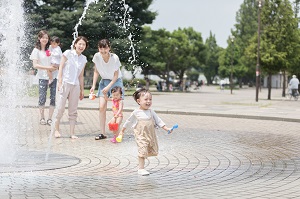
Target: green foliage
(280, 37)
(163, 51)
(106, 19)
(211, 65)
(245, 29)
(193, 75)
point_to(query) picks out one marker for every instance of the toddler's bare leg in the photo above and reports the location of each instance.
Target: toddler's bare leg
(141, 162)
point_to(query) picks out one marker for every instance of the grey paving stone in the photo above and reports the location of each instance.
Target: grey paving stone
(208, 156)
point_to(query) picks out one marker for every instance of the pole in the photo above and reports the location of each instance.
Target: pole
(231, 68)
(258, 53)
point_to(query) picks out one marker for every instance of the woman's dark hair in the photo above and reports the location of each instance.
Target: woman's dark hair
(142, 91)
(103, 43)
(38, 43)
(117, 89)
(81, 38)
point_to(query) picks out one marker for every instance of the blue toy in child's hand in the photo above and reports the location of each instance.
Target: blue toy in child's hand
(174, 127)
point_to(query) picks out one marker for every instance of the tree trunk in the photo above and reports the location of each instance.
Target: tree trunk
(167, 75)
(284, 84)
(269, 86)
(241, 83)
(298, 75)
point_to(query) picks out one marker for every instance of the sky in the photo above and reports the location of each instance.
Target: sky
(217, 16)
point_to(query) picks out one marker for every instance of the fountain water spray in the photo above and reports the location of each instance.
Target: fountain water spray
(12, 77)
(132, 59)
(75, 34)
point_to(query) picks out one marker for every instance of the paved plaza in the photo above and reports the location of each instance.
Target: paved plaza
(226, 146)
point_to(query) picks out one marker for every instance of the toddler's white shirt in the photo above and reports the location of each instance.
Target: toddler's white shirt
(56, 54)
(139, 114)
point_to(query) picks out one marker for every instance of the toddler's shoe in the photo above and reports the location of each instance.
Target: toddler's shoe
(143, 172)
(113, 140)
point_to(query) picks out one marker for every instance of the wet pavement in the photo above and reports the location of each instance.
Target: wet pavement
(226, 146)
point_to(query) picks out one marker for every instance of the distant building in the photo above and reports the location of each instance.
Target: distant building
(276, 81)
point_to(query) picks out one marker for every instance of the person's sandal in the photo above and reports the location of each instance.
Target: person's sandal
(100, 137)
(42, 121)
(49, 122)
(74, 137)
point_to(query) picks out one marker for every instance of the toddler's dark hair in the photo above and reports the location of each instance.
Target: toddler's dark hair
(142, 91)
(55, 39)
(117, 89)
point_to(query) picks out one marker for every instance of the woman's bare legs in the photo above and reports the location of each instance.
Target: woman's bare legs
(102, 114)
(42, 112)
(51, 111)
(72, 130)
(56, 130)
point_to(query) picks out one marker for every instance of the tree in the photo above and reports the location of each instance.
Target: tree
(119, 21)
(211, 65)
(162, 51)
(245, 29)
(228, 61)
(190, 51)
(295, 66)
(279, 39)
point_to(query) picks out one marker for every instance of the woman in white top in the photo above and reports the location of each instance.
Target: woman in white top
(70, 83)
(41, 61)
(107, 65)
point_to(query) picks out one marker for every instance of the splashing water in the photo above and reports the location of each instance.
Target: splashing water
(132, 59)
(12, 78)
(125, 13)
(75, 34)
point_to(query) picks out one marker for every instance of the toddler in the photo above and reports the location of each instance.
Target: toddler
(144, 120)
(117, 108)
(56, 54)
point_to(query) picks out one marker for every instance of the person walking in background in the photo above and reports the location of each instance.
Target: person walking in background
(117, 109)
(222, 85)
(56, 54)
(294, 83)
(71, 84)
(144, 120)
(42, 62)
(107, 65)
(200, 84)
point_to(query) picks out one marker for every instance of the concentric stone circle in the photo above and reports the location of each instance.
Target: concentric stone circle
(31, 161)
(207, 157)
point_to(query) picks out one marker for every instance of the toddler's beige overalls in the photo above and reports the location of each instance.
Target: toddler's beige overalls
(145, 138)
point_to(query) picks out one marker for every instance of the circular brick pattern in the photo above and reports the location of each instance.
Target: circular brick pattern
(30, 161)
(206, 157)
